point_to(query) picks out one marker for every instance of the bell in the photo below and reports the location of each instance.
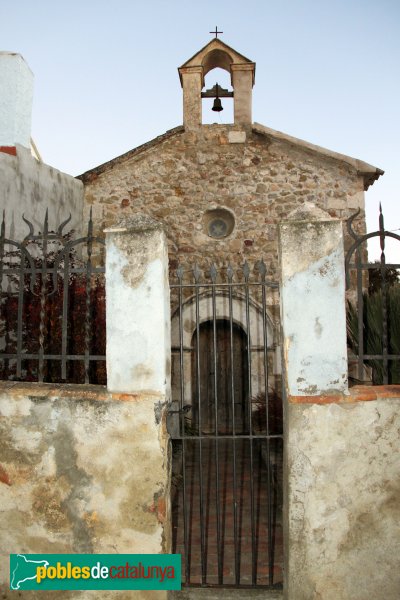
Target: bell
(217, 106)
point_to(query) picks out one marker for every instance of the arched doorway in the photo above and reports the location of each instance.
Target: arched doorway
(220, 378)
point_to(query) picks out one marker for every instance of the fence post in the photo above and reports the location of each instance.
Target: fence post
(313, 318)
(313, 311)
(138, 307)
(138, 366)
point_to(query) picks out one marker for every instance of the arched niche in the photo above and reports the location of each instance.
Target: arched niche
(217, 58)
(252, 325)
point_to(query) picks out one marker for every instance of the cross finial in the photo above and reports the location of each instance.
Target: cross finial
(216, 32)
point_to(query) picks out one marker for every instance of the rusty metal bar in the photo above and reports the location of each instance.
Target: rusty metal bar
(196, 277)
(42, 254)
(234, 467)
(218, 435)
(359, 266)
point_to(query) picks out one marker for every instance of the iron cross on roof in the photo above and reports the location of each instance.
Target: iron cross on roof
(216, 32)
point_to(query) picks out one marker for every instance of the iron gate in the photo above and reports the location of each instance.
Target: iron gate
(226, 427)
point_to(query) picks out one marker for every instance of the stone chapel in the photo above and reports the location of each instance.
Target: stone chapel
(220, 192)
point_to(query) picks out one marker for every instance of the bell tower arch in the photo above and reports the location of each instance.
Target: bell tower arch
(192, 73)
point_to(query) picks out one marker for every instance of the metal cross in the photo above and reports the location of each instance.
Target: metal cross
(216, 32)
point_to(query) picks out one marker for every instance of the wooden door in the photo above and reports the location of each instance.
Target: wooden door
(227, 408)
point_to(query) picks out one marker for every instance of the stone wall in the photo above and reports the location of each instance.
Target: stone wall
(260, 178)
(343, 491)
(81, 470)
(341, 456)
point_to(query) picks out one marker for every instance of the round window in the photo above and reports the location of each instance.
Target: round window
(218, 223)
(217, 228)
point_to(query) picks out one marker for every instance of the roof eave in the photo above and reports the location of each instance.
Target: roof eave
(91, 174)
(367, 171)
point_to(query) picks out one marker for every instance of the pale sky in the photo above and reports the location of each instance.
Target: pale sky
(106, 75)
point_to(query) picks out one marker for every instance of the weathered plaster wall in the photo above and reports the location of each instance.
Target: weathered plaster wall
(16, 95)
(343, 460)
(181, 175)
(138, 308)
(313, 302)
(28, 187)
(82, 470)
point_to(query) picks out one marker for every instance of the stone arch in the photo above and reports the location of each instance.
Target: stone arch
(216, 58)
(239, 317)
(252, 325)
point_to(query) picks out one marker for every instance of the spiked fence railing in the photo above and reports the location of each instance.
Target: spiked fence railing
(52, 305)
(373, 320)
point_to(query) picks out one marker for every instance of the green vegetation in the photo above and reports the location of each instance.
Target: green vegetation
(373, 330)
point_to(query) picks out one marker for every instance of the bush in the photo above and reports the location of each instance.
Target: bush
(372, 331)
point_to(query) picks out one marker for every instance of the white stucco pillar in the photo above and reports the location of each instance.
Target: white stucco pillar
(138, 308)
(313, 311)
(16, 95)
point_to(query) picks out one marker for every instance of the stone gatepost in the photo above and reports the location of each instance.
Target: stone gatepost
(138, 365)
(315, 367)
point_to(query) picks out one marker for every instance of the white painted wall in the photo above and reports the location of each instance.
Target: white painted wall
(16, 95)
(28, 187)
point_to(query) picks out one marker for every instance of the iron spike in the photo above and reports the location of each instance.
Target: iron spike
(196, 273)
(262, 268)
(63, 224)
(90, 224)
(213, 272)
(350, 225)
(31, 233)
(46, 222)
(381, 228)
(230, 272)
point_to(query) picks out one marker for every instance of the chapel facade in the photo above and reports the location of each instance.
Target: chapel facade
(221, 191)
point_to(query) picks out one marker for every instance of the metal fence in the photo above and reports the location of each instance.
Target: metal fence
(52, 306)
(373, 317)
(226, 427)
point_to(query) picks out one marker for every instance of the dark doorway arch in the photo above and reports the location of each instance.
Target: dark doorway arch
(220, 378)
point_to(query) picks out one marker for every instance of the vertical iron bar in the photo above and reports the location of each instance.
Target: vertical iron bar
(384, 298)
(64, 323)
(213, 275)
(182, 432)
(234, 483)
(88, 288)
(246, 272)
(262, 270)
(21, 286)
(196, 275)
(43, 271)
(2, 239)
(360, 314)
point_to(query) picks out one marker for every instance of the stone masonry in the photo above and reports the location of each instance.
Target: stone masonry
(259, 176)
